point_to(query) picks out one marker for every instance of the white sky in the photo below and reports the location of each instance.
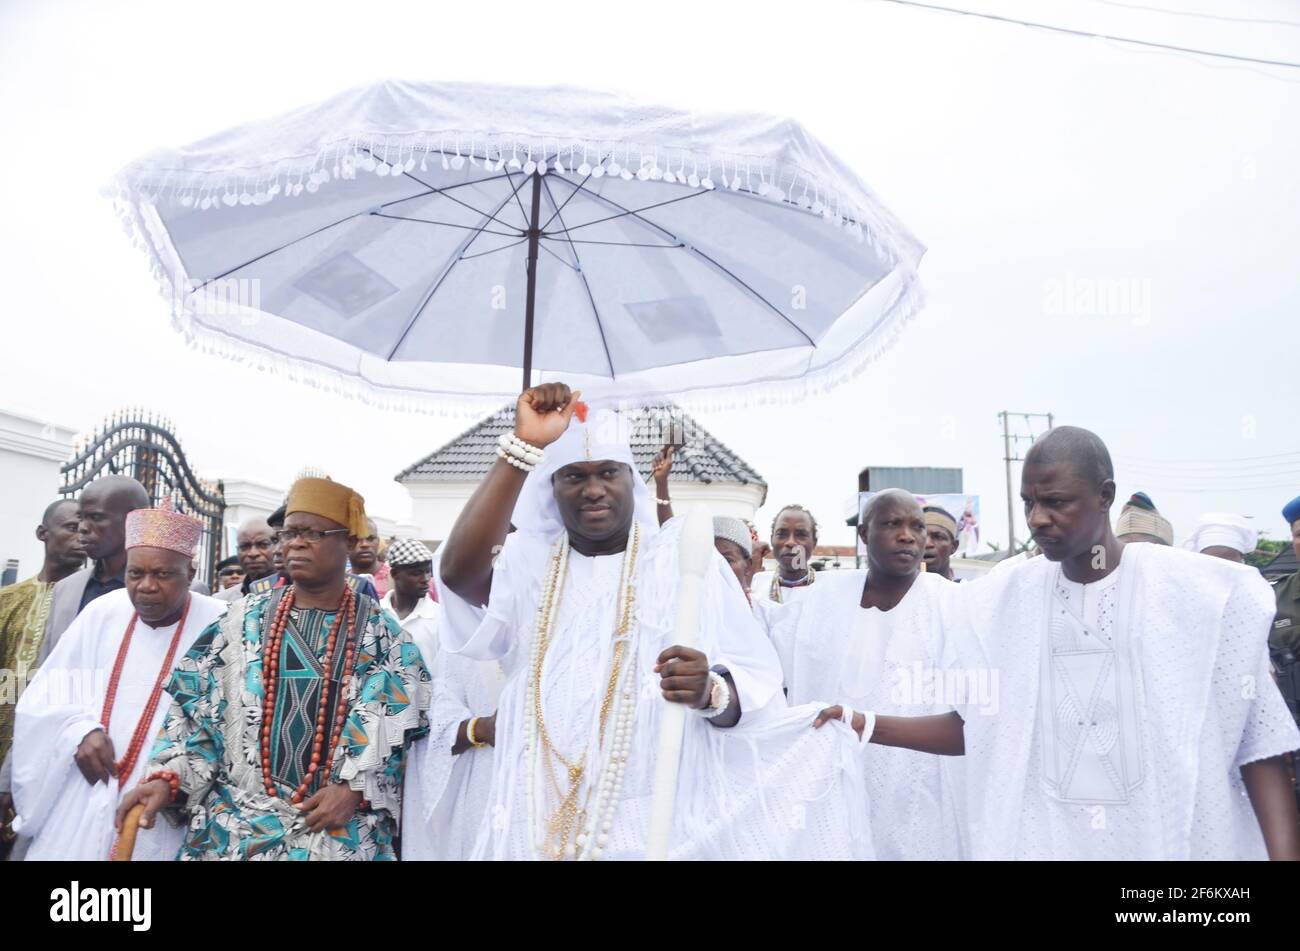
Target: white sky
(1019, 157)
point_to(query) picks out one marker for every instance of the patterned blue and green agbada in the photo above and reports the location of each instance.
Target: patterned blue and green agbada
(211, 737)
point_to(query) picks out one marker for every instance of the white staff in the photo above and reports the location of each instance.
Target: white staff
(695, 548)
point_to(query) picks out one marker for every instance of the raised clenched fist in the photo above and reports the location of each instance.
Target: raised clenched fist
(543, 412)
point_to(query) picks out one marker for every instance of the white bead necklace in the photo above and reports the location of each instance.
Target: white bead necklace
(591, 826)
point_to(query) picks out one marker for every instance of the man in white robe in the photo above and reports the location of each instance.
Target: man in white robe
(75, 753)
(1135, 717)
(448, 772)
(794, 539)
(579, 607)
(870, 640)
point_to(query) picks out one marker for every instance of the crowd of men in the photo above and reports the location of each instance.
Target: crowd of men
(1104, 695)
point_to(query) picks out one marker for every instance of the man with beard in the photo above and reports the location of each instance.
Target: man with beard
(579, 604)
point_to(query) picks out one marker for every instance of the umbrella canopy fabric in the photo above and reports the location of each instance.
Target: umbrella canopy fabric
(379, 243)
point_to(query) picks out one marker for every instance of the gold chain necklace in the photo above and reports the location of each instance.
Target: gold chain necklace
(562, 825)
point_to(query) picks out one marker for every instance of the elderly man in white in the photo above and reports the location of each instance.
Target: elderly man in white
(85, 725)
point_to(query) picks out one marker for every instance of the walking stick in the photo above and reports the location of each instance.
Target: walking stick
(125, 843)
(695, 549)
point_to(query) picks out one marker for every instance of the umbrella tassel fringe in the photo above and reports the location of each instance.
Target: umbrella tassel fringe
(149, 181)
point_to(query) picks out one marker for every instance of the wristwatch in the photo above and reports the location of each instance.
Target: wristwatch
(719, 696)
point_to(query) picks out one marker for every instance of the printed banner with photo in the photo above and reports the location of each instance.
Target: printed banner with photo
(965, 510)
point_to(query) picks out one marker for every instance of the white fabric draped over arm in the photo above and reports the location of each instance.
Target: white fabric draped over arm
(56, 712)
(740, 643)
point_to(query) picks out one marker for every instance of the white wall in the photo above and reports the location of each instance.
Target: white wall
(244, 500)
(723, 498)
(435, 507)
(31, 451)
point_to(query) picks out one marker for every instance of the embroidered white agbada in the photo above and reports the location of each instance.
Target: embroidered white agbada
(770, 787)
(1126, 709)
(833, 651)
(66, 817)
(445, 795)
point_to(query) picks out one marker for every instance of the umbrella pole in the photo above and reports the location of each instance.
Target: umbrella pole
(534, 234)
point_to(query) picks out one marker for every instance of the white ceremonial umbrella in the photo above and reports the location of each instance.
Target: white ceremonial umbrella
(416, 242)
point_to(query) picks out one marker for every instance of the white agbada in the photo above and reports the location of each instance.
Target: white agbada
(769, 788)
(833, 651)
(1127, 708)
(66, 817)
(766, 613)
(445, 796)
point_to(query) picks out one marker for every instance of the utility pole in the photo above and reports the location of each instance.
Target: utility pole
(1011, 509)
(1011, 452)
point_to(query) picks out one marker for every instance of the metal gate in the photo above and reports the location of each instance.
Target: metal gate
(143, 447)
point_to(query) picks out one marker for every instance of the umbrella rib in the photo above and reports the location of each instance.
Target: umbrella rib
(626, 211)
(448, 188)
(458, 255)
(398, 201)
(434, 190)
(595, 311)
(526, 177)
(287, 244)
(557, 257)
(448, 224)
(560, 207)
(617, 244)
(523, 178)
(775, 309)
(504, 247)
(635, 213)
(442, 192)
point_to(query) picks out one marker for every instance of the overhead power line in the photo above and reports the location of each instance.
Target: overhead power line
(1248, 462)
(1150, 44)
(1195, 14)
